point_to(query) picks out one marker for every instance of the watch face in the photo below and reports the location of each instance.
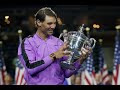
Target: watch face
(53, 56)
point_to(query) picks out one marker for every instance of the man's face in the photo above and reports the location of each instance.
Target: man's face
(48, 25)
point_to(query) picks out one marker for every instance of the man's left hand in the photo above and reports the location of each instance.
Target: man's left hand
(85, 52)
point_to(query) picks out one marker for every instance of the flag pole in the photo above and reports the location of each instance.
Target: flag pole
(4, 71)
(115, 78)
(100, 41)
(1, 45)
(19, 72)
(88, 32)
(1, 50)
(20, 36)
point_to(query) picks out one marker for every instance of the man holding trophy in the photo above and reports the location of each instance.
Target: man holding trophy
(47, 59)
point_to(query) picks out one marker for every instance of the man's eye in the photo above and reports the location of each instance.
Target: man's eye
(49, 23)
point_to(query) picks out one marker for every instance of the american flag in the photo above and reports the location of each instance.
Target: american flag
(104, 73)
(19, 73)
(101, 58)
(89, 64)
(116, 67)
(103, 67)
(3, 71)
(81, 72)
(89, 74)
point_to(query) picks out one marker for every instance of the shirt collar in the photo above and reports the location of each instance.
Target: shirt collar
(39, 40)
(49, 37)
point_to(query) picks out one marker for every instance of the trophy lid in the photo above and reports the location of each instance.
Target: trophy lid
(81, 28)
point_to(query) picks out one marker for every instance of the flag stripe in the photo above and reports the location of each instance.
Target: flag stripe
(19, 74)
(3, 71)
(87, 78)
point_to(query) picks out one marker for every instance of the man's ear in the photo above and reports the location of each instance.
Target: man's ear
(38, 23)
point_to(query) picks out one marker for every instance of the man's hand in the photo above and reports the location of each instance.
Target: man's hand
(62, 51)
(85, 52)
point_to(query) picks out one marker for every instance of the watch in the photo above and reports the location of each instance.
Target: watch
(53, 56)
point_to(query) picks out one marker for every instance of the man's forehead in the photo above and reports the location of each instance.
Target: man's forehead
(50, 18)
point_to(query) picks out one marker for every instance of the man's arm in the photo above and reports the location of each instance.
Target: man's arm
(69, 72)
(84, 54)
(28, 58)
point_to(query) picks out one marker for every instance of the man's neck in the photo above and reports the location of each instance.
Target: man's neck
(42, 35)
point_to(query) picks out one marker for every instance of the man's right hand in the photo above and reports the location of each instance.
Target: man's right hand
(62, 51)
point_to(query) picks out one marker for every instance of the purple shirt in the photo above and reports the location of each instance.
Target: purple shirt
(49, 72)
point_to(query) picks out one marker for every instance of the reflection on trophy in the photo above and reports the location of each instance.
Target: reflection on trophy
(76, 40)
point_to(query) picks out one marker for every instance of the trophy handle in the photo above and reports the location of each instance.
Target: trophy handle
(94, 41)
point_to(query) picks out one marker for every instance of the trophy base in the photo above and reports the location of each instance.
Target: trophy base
(67, 66)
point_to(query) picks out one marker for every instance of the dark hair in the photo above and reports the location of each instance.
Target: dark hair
(43, 12)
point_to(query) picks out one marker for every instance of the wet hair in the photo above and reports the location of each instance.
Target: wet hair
(41, 14)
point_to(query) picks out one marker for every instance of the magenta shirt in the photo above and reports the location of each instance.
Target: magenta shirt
(49, 72)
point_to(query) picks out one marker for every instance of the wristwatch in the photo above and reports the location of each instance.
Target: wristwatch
(53, 56)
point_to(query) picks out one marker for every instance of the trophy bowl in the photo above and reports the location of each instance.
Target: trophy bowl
(76, 40)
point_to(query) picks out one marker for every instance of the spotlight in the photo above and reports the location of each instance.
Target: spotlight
(6, 17)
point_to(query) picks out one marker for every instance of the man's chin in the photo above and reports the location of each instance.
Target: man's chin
(50, 33)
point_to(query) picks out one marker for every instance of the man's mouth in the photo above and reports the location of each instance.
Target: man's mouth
(50, 31)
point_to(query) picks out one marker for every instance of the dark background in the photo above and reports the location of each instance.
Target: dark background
(107, 16)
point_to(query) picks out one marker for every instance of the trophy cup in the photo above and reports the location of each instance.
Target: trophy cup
(76, 40)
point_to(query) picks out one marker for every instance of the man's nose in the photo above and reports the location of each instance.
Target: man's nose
(53, 26)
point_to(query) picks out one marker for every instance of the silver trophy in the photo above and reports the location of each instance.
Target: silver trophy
(76, 40)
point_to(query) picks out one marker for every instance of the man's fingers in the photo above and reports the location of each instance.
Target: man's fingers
(67, 52)
(84, 52)
(65, 46)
